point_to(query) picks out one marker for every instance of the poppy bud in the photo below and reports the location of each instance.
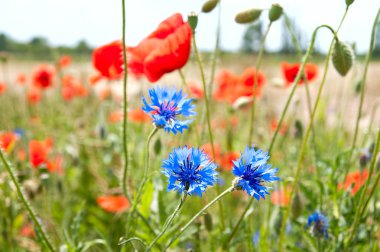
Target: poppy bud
(208, 222)
(299, 129)
(349, 2)
(342, 57)
(157, 146)
(209, 6)
(248, 16)
(192, 19)
(275, 12)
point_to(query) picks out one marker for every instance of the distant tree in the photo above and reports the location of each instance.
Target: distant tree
(252, 38)
(83, 48)
(4, 42)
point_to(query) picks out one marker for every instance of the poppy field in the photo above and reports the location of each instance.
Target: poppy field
(161, 146)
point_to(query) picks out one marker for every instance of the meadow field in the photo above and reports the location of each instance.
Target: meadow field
(191, 150)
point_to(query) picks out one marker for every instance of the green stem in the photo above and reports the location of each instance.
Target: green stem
(144, 179)
(207, 106)
(255, 89)
(125, 109)
(371, 120)
(184, 83)
(362, 206)
(227, 191)
(25, 202)
(168, 222)
(306, 138)
(216, 51)
(362, 89)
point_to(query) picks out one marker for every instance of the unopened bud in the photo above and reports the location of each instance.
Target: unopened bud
(349, 2)
(248, 16)
(209, 6)
(275, 12)
(208, 222)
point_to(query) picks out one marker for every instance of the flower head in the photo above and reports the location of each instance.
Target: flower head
(3, 87)
(319, 223)
(7, 140)
(43, 76)
(163, 51)
(108, 60)
(113, 204)
(354, 181)
(253, 171)
(166, 106)
(190, 170)
(290, 72)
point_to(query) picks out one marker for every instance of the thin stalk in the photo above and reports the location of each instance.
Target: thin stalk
(207, 106)
(362, 206)
(26, 203)
(183, 79)
(125, 109)
(257, 68)
(216, 51)
(362, 87)
(227, 191)
(144, 179)
(371, 120)
(306, 138)
(168, 222)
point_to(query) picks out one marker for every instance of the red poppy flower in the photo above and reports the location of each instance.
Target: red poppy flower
(64, 61)
(354, 181)
(207, 149)
(163, 51)
(139, 116)
(7, 140)
(281, 197)
(227, 159)
(55, 165)
(196, 90)
(113, 204)
(290, 72)
(3, 88)
(21, 155)
(283, 129)
(43, 76)
(38, 152)
(115, 116)
(21, 79)
(231, 87)
(33, 95)
(27, 231)
(108, 60)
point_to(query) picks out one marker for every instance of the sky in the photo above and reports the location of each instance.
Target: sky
(99, 21)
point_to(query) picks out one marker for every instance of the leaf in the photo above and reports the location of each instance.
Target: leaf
(342, 57)
(157, 146)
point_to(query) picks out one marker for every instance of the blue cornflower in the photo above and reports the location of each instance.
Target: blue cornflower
(252, 172)
(189, 169)
(320, 224)
(167, 105)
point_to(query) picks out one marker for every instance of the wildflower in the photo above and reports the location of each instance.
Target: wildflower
(7, 140)
(207, 149)
(281, 197)
(64, 61)
(55, 165)
(166, 106)
(163, 51)
(354, 181)
(190, 170)
(231, 87)
(108, 60)
(33, 95)
(113, 204)
(43, 76)
(3, 88)
(93, 79)
(38, 152)
(27, 231)
(319, 223)
(274, 125)
(21, 79)
(196, 91)
(290, 72)
(252, 172)
(227, 160)
(138, 116)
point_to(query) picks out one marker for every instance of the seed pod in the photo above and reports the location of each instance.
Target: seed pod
(349, 2)
(298, 129)
(342, 57)
(275, 12)
(192, 19)
(248, 16)
(209, 6)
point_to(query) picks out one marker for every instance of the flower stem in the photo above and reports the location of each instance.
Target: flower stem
(25, 202)
(183, 79)
(306, 138)
(363, 205)
(207, 105)
(168, 222)
(125, 109)
(255, 79)
(179, 233)
(362, 88)
(144, 179)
